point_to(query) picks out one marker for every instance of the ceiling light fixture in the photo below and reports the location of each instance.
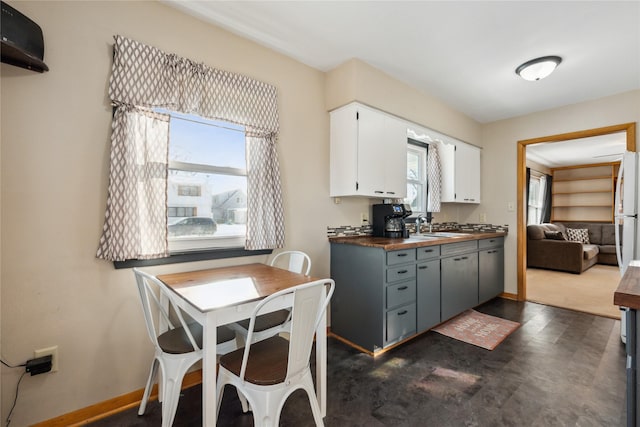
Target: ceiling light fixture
(538, 68)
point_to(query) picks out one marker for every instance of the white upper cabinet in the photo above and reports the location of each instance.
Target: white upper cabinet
(368, 153)
(460, 172)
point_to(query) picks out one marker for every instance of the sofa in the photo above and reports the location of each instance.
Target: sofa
(553, 246)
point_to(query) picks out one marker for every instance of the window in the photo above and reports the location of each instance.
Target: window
(207, 184)
(536, 196)
(189, 190)
(417, 177)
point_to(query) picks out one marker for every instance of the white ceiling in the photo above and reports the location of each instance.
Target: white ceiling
(463, 52)
(596, 149)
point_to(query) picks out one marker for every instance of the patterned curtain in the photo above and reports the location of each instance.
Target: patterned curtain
(136, 220)
(144, 77)
(434, 171)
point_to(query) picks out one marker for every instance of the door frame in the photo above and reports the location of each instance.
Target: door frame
(521, 231)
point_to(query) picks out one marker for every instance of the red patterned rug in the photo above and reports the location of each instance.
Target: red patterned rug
(478, 329)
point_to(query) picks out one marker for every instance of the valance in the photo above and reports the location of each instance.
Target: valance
(143, 75)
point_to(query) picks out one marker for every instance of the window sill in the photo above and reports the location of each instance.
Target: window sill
(191, 256)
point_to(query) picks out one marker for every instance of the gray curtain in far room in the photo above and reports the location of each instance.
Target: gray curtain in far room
(545, 217)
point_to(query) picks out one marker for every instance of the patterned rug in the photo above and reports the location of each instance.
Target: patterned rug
(479, 329)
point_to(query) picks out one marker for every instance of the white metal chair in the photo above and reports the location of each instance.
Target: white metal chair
(271, 324)
(177, 348)
(268, 371)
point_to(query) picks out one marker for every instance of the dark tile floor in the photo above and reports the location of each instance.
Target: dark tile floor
(560, 368)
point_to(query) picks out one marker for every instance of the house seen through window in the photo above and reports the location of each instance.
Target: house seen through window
(207, 184)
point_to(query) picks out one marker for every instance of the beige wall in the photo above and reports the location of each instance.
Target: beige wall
(499, 161)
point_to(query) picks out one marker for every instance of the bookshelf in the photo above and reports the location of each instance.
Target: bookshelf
(584, 193)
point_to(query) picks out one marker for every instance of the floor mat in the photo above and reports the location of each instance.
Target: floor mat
(479, 329)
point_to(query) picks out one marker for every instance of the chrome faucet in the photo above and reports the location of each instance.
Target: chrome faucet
(420, 218)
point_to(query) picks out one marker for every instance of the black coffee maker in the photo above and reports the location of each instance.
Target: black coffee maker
(388, 220)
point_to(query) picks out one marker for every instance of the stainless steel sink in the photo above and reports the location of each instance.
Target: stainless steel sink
(424, 237)
(444, 234)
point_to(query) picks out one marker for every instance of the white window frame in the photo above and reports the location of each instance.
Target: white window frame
(422, 151)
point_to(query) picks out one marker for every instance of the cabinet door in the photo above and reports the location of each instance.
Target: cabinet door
(343, 151)
(428, 294)
(395, 158)
(490, 274)
(459, 286)
(467, 173)
(371, 153)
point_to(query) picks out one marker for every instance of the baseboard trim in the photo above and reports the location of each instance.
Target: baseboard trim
(507, 295)
(113, 406)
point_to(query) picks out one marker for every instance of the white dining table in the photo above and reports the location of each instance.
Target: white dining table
(220, 296)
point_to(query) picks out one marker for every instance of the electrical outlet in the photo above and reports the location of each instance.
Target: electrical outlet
(53, 351)
(483, 217)
(364, 218)
(511, 206)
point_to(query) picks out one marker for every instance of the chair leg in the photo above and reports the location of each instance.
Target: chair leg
(173, 373)
(313, 401)
(147, 390)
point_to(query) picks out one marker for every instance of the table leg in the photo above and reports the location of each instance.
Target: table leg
(209, 398)
(321, 364)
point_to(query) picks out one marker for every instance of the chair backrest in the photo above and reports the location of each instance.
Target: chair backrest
(296, 261)
(307, 308)
(156, 296)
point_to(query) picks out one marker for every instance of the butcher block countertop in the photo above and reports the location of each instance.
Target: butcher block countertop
(389, 244)
(628, 292)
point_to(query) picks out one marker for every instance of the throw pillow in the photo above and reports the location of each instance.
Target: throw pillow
(554, 235)
(578, 235)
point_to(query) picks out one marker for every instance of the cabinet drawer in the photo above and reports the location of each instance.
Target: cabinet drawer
(491, 243)
(459, 247)
(400, 294)
(428, 252)
(401, 323)
(400, 257)
(401, 273)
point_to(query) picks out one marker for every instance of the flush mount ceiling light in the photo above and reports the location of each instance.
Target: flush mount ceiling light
(538, 68)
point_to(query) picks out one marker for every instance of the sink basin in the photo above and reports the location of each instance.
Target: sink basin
(424, 237)
(443, 234)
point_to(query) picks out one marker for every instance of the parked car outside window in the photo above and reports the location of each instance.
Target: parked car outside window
(193, 226)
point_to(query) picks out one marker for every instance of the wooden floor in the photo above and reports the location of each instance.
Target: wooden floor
(560, 368)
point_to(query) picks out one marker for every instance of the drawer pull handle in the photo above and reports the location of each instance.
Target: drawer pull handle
(464, 257)
(403, 288)
(428, 250)
(403, 271)
(402, 313)
(422, 267)
(457, 259)
(379, 192)
(391, 192)
(402, 254)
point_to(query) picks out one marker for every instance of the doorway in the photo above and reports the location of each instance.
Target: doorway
(628, 128)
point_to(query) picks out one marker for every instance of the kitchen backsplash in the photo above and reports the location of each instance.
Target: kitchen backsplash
(367, 230)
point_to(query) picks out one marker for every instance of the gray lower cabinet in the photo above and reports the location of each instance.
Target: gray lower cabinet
(428, 287)
(374, 304)
(491, 269)
(382, 298)
(459, 278)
